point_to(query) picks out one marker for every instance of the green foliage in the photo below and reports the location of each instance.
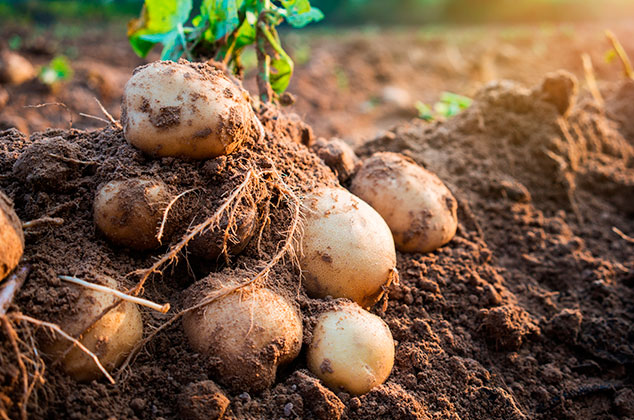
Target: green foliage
(222, 30)
(58, 70)
(450, 104)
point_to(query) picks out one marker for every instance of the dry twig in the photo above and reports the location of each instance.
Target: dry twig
(620, 52)
(591, 80)
(134, 299)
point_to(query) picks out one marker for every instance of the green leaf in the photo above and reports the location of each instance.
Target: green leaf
(281, 77)
(158, 18)
(58, 70)
(299, 13)
(303, 19)
(222, 16)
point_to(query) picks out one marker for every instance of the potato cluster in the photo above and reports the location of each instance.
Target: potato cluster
(347, 247)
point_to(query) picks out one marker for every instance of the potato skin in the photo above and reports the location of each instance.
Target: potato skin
(351, 350)
(418, 207)
(348, 250)
(111, 339)
(11, 237)
(129, 212)
(176, 109)
(249, 333)
(15, 69)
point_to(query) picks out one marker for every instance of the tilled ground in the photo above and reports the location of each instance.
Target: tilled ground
(525, 314)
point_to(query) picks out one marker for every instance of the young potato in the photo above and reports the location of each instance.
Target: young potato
(352, 350)
(129, 213)
(348, 250)
(247, 334)
(15, 69)
(418, 207)
(11, 237)
(111, 339)
(184, 110)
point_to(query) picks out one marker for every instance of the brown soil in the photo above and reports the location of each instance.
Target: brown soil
(525, 314)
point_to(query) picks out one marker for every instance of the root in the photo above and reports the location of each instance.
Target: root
(12, 285)
(107, 114)
(172, 254)
(159, 235)
(71, 160)
(12, 336)
(591, 81)
(56, 328)
(63, 105)
(57, 221)
(286, 249)
(137, 300)
(622, 235)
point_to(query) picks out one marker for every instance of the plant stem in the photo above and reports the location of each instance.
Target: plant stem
(264, 64)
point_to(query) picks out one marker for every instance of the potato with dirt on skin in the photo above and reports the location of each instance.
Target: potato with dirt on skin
(418, 207)
(111, 339)
(246, 334)
(15, 69)
(185, 110)
(129, 213)
(11, 237)
(352, 350)
(347, 248)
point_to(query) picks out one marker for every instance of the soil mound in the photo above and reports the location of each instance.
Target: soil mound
(526, 313)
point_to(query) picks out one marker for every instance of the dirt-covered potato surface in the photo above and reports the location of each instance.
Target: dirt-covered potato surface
(347, 248)
(352, 350)
(185, 110)
(111, 338)
(11, 237)
(247, 333)
(129, 213)
(418, 207)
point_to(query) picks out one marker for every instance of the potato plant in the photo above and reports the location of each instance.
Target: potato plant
(222, 30)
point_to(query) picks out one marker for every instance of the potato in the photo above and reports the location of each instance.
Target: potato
(111, 339)
(418, 207)
(129, 213)
(11, 237)
(246, 334)
(184, 110)
(337, 155)
(352, 350)
(15, 69)
(347, 248)
(209, 244)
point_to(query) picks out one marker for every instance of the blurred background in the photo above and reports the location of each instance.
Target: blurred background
(354, 12)
(367, 66)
